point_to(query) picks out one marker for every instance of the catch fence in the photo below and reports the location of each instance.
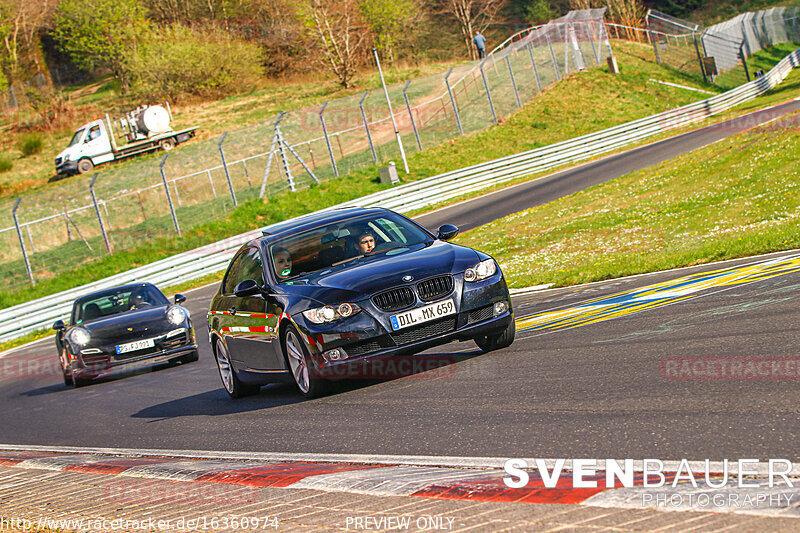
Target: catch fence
(85, 218)
(719, 53)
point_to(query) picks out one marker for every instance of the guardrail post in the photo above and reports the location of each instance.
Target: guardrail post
(453, 101)
(169, 195)
(225, 167)
(513, 82)
(22, 242)
(327, 139)
(488, 93)
(366, 126)
(391, 113)
(533, 64)
(411, 115)
(269, 158)
(97, 212)
(553, 57)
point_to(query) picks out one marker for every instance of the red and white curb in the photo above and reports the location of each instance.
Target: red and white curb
(375, 475)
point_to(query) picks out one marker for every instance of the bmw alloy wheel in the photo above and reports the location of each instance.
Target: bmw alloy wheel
(297, 362)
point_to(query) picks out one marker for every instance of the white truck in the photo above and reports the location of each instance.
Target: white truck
(144, 129)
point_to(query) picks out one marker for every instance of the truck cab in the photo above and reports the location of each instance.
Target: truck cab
(90, 146)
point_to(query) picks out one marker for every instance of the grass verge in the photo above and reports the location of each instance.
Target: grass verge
(735, 198)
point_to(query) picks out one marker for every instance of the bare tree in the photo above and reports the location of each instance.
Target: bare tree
(337, 28)
(22, 23)
(472, 16)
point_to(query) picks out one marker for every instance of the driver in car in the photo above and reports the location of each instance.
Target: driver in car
(138, 299)
(365, 243)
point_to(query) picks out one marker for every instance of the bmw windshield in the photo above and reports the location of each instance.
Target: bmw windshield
(334, 246)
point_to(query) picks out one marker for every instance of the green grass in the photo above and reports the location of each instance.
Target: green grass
(734, 198)
(6, 163)
(558, 114)
(31, 144)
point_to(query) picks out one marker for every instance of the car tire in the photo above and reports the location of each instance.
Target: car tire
(67, 375)
(489, 343)
(85, 165)
(230, 382)
(298, 360)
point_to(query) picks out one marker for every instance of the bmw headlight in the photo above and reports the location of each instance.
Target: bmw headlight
(321, 315)
(482, 270)
(79, 336)
(177, 315)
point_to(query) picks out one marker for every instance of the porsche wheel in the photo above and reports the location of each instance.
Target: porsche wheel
(233, 386)
(300, 364)
(488, 343)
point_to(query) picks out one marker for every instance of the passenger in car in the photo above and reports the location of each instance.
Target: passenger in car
(283, 261)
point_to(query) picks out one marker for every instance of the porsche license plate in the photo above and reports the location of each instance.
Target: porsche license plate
(423, 314)
(134, 346)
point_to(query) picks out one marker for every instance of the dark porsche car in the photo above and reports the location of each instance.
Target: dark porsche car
(122, 329)
(326, 292)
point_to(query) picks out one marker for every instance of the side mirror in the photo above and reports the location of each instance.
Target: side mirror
(58, 325)
(180, 298)
(447, 232)
(248, 287)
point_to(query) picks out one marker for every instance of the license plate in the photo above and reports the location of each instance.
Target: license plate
(134, 346)
(423, 314)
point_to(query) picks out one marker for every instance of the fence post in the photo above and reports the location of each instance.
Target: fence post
(269, 158)
(699, 58)
(744, 61)
(169, 195)
(533, 64)
(327, 139)
(411, 115)
(453, 101)
(591, 41)
(391, 113)
(513, 82)
(225, 167)
(654, 41)
(553, 57)
(22, 242)
(366, 126)
(97, 212)
(488, 94)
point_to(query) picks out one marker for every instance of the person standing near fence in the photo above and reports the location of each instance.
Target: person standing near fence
(480, 43)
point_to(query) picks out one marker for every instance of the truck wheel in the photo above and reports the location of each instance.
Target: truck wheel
(167, 144)
(85, 165)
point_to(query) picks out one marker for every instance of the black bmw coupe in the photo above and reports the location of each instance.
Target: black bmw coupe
(122, 329)
(316, 297)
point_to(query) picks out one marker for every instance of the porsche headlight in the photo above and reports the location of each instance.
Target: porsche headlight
(321, 315)
(177, 315)
(79, 336)
(482, 270)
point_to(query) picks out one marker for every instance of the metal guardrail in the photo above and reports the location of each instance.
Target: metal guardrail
(39, 314)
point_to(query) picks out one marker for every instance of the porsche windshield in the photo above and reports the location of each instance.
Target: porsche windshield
(341, 243)
(116, 301)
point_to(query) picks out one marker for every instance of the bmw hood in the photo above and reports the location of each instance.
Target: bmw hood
(368, 275)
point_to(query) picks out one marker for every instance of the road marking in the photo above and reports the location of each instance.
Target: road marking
(656, 295)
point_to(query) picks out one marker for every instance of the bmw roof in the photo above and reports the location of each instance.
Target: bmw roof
(314, 220)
